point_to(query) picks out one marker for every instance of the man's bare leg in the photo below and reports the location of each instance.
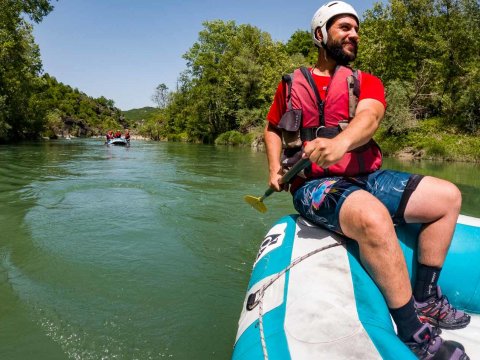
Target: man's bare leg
(366, 220)
(435, 203)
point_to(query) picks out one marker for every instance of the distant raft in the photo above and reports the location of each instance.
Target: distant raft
(118, 142)
(310, 298)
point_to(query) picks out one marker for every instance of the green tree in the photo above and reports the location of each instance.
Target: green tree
(21, 112)
(301, 43)
(430, 47)
(232, 73)
(35, 9)
(160, 96)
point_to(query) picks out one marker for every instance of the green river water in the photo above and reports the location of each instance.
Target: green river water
(137, 253)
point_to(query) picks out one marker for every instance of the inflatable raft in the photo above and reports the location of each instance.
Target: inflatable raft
(310, 298)
(118, 142)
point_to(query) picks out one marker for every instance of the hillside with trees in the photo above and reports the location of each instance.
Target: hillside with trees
(69, 111)
(32, 104)
(144, 121)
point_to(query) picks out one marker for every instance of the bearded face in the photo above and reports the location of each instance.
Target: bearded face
(343, 51)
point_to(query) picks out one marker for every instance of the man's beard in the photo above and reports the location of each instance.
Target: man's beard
(335, 51)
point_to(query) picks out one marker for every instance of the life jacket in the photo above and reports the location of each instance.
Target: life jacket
(308, 117)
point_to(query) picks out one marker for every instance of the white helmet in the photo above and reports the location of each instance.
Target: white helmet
(325, 13)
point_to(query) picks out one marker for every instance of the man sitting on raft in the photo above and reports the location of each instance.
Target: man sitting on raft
(345, 191)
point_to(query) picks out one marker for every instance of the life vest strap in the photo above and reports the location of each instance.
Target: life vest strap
(329, 132)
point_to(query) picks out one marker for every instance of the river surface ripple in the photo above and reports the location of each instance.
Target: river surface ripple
(137, 253)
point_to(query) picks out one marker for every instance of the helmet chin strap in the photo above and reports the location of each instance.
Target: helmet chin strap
(324, 47)
(325, 52)
(323, 44)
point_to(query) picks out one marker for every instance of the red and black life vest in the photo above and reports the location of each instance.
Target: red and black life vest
(308, 117)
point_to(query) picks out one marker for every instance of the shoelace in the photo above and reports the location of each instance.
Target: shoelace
(444, 307)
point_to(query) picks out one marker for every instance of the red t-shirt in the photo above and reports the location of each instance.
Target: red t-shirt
(371, 87)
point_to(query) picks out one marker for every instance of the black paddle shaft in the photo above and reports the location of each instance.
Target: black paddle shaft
(299, 166)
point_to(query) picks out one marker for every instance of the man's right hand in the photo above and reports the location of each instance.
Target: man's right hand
(273, 144)
(275, 181)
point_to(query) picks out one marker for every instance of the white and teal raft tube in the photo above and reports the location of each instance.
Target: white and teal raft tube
(310, 298)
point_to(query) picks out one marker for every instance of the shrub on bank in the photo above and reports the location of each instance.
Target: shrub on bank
(181, 137)
(432, 139)
(232, 137)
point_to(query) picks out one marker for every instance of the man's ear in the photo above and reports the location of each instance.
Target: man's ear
(318, 34)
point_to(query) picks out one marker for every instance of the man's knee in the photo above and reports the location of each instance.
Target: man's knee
(446, 193)
(366, 220)
(432, 200)
(375, 228)
(454, 196)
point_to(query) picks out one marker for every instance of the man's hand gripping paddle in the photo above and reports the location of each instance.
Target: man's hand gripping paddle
(257, 202)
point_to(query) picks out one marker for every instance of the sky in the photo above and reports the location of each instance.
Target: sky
(123, 49)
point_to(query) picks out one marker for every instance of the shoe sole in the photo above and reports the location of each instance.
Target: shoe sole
(443, 325)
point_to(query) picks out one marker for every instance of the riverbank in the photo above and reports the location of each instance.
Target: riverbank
(431, 140)
(428, 140)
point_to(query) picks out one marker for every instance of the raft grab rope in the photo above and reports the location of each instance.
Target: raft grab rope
(254, 300)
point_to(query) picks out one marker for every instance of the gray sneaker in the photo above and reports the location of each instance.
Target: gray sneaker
(437, 311)
(428, 345)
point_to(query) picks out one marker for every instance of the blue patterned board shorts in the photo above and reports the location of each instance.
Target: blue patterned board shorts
(320, 200)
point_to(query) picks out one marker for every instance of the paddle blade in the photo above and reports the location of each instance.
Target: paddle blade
(256, 203)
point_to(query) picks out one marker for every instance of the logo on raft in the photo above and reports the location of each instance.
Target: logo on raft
(272, 240)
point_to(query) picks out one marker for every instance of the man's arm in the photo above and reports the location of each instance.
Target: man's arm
(273, 145)
(326, 152)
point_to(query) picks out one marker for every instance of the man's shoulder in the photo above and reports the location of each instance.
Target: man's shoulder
(369, 77)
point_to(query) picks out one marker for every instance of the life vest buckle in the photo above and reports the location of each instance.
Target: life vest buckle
(318, 131)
